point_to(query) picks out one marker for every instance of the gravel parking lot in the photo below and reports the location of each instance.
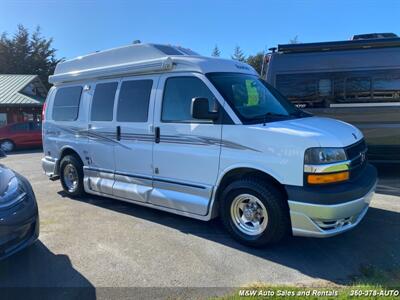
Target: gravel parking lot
(100, 242)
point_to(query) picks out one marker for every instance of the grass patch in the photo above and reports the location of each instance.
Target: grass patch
(370, 284)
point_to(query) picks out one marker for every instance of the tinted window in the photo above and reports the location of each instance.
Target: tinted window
(103, 101)
(358, 88)
(20, 127)
(178, 95)
(325, 87)
(340, 87)
(35, 126)
(66, 103)
(299, 88)
(133, 103)
(386, 87)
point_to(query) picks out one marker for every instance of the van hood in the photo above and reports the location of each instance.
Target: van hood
(328, 132)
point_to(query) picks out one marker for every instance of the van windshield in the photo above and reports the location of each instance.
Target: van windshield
(252, 99)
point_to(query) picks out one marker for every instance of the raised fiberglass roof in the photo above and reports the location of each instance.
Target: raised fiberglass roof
(141, 59)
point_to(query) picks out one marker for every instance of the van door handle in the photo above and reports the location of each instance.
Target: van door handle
(157, 135)
(118, 133)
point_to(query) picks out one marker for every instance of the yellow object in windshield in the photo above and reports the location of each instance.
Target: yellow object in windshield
(253, 98)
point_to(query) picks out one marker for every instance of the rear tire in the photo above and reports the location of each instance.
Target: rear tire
(254, 212)
(71, 175)
(7, 145)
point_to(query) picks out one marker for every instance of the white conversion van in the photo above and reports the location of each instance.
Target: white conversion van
(163, 127)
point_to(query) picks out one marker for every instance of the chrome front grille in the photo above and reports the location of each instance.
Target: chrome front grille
(357, 154)
(354, 150)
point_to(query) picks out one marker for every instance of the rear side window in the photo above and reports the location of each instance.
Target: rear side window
(35, 126)
(66, 103)
(20, 127)
(178, 95)
(133, 103)
(103, 101)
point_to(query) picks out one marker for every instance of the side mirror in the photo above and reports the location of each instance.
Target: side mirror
(2, 153)
(201, 110)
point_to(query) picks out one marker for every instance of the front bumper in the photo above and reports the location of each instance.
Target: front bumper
(338, 214)
(19, 224)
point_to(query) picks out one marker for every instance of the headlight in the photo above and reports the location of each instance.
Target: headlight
(326, 165)
(13, 193)
(316, 156)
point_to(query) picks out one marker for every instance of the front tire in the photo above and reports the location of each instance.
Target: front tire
(71, 175)
(254, 212)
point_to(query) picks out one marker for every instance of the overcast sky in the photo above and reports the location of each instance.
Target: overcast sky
(81, 27)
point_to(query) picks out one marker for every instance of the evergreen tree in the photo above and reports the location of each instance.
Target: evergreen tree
(238, 54)
(256, 61)
(26, 53)
(216, 52)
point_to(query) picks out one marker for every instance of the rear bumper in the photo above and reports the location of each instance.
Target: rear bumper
(338, 214)
(49, 166)
(19, 225)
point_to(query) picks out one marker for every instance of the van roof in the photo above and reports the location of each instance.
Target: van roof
(142, 59)
(340, 45)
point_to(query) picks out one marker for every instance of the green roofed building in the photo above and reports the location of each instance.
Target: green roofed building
(21, 98)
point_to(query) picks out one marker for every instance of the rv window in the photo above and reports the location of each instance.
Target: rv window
(66, 103)
(340, 87)
(338, 90)
(325, 87)
(133, 103)
(358, 88)
(300, 88)
(103, 101)
(178, 95)
(386, 88)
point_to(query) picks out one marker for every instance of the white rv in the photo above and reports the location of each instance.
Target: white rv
(163, 127)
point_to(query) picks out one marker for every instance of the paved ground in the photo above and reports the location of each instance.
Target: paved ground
(105, 243)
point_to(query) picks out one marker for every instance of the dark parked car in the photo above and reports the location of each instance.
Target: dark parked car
(19, 218)
(20, 135)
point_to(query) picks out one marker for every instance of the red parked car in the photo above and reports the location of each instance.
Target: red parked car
(20, 135)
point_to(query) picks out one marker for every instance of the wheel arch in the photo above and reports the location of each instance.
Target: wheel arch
(237, 172)
(67, 150)
(8, 139)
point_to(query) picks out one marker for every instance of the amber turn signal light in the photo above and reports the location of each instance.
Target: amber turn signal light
(327, 178)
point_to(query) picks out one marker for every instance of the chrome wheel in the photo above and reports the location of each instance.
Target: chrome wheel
(7, 146)
(249, 214)
(71, 178)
